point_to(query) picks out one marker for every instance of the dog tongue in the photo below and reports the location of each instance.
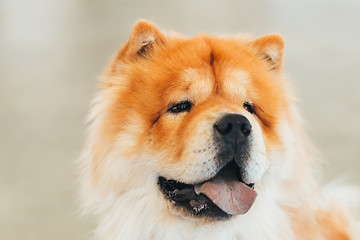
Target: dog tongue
(231, 196)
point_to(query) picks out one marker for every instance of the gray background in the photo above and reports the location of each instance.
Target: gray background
(51, 53)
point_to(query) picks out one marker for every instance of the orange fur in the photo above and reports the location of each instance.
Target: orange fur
(153, 70)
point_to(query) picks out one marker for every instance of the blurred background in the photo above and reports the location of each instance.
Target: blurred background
(52, 52)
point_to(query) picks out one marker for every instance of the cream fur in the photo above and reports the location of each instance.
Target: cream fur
(119, 179)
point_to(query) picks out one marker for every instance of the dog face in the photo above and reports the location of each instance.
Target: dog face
(199, 119)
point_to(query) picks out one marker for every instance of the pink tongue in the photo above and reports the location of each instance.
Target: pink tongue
(231, 196)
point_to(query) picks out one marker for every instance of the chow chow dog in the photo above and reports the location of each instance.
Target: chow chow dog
(201, 138)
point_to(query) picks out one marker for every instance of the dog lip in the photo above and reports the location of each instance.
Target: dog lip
(175, 190)
(184, 194)
(177, 185)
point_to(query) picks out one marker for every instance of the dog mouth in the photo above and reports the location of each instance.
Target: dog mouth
(220, 197)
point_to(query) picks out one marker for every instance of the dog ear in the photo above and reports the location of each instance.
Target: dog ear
(144, 37)
(271, 49)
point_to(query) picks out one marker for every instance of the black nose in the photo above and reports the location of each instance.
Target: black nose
(233, 128)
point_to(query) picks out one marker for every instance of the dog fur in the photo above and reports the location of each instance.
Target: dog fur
(132, 141)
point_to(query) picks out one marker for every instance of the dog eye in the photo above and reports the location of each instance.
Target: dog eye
(183, 106)
(249, 107)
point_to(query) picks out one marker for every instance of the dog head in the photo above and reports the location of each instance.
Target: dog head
(197, 120)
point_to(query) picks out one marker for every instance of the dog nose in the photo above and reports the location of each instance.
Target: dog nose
(233, 128)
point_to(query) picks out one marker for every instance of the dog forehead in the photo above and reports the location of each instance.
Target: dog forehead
(200, 83)
(198, 68)
(235, 83)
